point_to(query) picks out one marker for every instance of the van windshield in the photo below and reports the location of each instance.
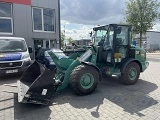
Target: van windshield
(12, 45)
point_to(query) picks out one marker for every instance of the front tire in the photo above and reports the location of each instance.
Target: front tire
(84, 79)
(131, 74)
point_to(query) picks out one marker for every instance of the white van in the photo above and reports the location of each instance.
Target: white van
(14, 55)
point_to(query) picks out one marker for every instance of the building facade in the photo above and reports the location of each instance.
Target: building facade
(153, 40)
(38, 21)
(150, 41)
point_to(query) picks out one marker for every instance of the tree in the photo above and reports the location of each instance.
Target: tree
(62, 39)
(142, 14)
(70, 40)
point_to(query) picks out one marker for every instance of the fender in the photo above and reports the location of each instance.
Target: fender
(126, 62)
(91, 64)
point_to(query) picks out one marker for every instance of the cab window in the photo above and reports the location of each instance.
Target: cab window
(122, 38)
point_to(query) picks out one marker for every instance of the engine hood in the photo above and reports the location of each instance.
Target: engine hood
(10, 56)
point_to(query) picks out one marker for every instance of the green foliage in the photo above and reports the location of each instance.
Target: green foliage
(142, 14)
(70, 40)
(62, 40)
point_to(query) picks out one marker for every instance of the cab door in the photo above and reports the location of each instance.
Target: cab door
(122, 42)
(107, 53)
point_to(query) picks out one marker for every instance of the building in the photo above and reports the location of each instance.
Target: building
(150, 41)
(153, 40)
(38, 21)
(82, 41)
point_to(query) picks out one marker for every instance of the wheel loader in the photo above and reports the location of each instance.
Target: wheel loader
(111, 53)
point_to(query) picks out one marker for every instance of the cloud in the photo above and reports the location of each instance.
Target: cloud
(80, 32)
(93, 12)
(65, 22)
(80, 16)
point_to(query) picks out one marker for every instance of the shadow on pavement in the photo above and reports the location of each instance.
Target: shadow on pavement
(30, 111)
(21, 111)
(9, 79)
(132, 99)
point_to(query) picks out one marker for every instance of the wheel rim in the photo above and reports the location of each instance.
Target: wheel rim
(132, 74)
(87, 80)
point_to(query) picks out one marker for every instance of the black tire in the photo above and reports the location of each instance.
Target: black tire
(125, 76)
(75, 79)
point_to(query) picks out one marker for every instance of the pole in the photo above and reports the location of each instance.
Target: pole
(59, 24)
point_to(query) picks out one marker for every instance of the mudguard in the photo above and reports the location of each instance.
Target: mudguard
(36, 85)
(126, 62)
(90, 64)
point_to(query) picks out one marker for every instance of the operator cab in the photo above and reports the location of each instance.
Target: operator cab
(113, 42)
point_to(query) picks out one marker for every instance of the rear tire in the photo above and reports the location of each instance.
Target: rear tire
(131, 74)
(84, 79)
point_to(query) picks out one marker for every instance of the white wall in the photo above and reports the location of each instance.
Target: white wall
(153, 39)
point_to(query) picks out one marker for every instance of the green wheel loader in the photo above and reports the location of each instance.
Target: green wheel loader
(111, 54)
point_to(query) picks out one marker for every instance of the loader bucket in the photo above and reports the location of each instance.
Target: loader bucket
(36, 85)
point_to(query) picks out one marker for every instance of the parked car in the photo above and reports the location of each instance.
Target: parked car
(44, 58)
(70, 49)
(14, 55)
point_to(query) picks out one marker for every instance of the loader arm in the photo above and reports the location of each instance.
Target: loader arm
(65, 67)
(61, 64)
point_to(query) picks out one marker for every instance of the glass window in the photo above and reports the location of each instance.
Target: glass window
(101, 33)
(37, 18)
(109, 39)
(10, 45)
(6, 18)
(5, 25)
(43, 19)
(5, 10)
(48, 19)
(123, 36)
(100, 36)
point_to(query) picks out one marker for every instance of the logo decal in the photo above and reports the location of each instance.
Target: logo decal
(10, 64)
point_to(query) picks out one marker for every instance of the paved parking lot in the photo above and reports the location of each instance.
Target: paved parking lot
(110, 101)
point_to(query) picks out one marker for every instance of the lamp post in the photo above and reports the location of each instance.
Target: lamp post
(59, 41)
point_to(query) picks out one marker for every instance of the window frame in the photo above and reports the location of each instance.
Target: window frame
(10, 18)
(42, 17)
(126, 35)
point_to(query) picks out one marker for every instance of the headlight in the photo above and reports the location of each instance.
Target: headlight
(51, 63)
(25, 56)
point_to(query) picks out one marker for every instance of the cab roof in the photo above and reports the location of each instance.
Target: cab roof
(101, 26)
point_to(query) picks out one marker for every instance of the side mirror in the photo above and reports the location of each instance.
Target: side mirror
(30, 49)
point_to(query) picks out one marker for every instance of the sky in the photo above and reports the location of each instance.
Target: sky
(78, 17)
